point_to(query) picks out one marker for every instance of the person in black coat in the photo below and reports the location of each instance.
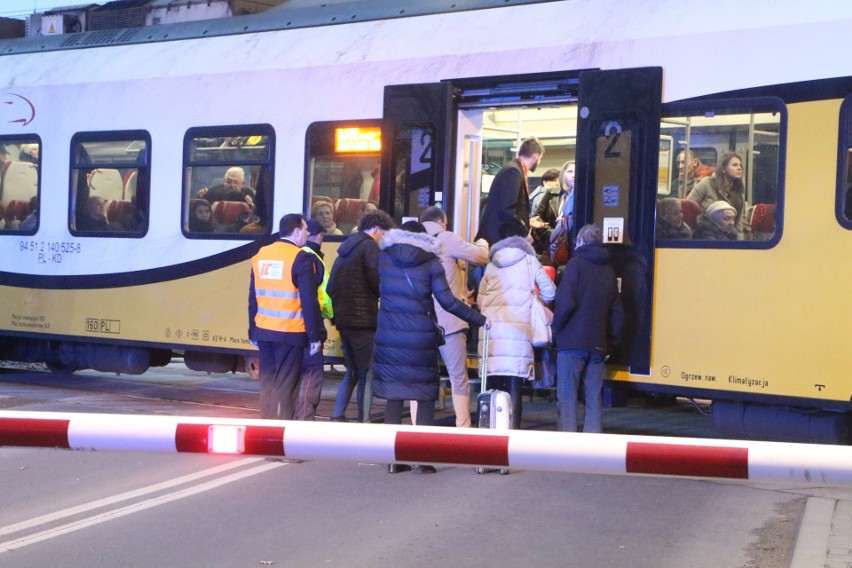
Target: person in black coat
(509, 194)
(586, 326)
(405, 361)
(354, 290)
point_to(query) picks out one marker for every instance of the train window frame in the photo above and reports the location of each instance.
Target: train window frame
(234, 137)
(716, 107)
(142, 190)
(320, 139)
(843, 196)
(20, 140)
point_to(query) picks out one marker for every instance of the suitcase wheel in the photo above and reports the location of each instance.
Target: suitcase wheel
(504, 471)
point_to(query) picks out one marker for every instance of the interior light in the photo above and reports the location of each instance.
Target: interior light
(226, 439)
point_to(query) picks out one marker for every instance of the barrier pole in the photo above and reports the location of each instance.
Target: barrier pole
(382, 443)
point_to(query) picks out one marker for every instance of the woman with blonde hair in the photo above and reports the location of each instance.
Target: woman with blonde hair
(323, 211)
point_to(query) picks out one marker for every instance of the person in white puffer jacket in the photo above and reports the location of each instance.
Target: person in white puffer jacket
(505, 299)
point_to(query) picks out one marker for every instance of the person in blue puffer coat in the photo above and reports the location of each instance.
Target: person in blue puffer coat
(405, 360)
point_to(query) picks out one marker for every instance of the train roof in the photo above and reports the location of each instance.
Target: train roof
(727, 46)
(293, 14)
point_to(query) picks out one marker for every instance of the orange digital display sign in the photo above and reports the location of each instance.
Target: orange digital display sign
(366, 140)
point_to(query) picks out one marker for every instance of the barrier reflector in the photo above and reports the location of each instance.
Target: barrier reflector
(451, 448)
(34, 432)
(264, 440)
(698, 461)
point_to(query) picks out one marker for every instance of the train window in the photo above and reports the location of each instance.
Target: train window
(342, 172)
(110, 173)
(19, 184)
(228, 176)
(843, 207)
(721, 151)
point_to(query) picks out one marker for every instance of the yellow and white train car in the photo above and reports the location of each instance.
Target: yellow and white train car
(415, 104)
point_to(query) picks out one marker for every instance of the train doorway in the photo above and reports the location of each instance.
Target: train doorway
(444, 142)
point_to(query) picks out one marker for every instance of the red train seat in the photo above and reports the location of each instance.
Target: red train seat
(691, 211)
(227, 212)
(348, 210)
(763, 221)
(16, 210)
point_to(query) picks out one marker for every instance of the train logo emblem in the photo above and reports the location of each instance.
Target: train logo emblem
(18, 108)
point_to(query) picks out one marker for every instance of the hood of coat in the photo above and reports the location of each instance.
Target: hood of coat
(352, 242)
(409, 249)
(593, 253)
(510, 251)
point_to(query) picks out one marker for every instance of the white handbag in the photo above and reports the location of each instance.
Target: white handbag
(541, 318)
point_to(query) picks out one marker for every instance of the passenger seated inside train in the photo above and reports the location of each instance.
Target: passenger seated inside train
(718, 223)
(29, 153)
(200, 216)
(323, 211)
(233, 188)
(670, 223)
(94, 216)
(695, 170)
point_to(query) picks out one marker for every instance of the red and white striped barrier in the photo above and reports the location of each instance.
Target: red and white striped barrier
(519, 449)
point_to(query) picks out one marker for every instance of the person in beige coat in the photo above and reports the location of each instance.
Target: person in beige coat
(505, 299)
(455, 256)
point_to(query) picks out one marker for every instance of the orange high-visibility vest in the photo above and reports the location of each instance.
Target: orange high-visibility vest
(278, 305)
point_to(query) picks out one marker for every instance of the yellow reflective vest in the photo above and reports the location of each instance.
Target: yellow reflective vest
(322, 295)
(278, 305)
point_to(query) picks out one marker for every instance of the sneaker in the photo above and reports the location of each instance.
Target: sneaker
(398, 467)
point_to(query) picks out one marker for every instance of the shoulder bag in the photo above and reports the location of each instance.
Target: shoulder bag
(541, 317)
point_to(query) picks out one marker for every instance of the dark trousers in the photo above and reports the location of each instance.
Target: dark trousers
(425, 412)
(280, 370)
(357, 347)
(512, 385)
(310, 385)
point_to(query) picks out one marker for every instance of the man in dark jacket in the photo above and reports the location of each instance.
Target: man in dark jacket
(354, 290)
(284, 316)
(509, 195)
(586, 325)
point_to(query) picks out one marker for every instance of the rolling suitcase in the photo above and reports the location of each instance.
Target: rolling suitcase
(493, 407)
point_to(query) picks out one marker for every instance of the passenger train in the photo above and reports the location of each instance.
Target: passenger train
(419, 103)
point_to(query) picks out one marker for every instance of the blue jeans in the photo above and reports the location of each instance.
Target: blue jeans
(357, 347)
(572, 366)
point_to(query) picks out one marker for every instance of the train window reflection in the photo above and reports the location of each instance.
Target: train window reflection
(228, 181)
(342, 172)
(19, 184)
(726, 155)
(110, 173)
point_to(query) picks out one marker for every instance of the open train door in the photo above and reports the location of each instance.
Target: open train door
(616, 185)
(416, 133)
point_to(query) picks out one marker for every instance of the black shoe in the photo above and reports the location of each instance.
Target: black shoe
(426, 468)
(337, 419)
(398, 467)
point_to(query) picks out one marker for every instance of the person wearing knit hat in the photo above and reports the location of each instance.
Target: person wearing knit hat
(718, 223)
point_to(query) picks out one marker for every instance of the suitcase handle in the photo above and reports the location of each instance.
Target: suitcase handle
(483, 361)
